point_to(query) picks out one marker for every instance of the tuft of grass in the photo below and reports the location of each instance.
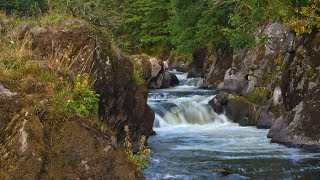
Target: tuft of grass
(56, 148)
(141, 158)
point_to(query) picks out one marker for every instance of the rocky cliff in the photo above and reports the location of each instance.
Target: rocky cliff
(274, 85)
(32, 146)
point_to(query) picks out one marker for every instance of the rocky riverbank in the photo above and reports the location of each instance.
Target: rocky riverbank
(274, 85)
(42, 67)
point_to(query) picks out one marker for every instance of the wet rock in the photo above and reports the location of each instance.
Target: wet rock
(174, 81)
(223, 171)
(166, 80)
(219, 102)
(266, 120)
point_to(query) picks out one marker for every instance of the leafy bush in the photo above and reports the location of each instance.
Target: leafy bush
(24, 7)
(83, 99)
(68, 101)
(140, 159)
(307, 17)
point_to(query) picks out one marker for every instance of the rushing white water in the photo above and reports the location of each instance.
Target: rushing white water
(192, 141)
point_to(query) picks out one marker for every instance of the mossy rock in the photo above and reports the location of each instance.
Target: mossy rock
(259, 95)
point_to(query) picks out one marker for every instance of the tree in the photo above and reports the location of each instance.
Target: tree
(24, 7)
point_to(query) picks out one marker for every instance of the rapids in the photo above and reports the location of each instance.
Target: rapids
(192, 142)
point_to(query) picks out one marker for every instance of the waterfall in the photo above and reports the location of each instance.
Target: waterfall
(184, 104)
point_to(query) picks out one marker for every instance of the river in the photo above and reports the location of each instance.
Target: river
(192, 142)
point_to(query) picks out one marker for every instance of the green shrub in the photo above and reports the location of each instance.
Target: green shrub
(83, 99)
(11, 63)
(80, 99)
(24, 7)
(140, 159)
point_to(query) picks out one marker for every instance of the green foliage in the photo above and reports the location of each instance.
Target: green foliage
(24, 7)
(79, 100)
(145, 25)
(84, 100)
(56, 148)
(307, 17)
(259, 95)
(141, 158)
(11, 63)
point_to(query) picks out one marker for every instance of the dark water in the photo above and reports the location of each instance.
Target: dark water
(192, 142)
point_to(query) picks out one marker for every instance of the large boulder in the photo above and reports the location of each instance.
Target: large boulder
(300, 127)
(34, 147)
(242, 111)
(73, 47)
(174, 81)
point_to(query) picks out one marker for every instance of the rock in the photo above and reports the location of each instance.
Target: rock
(76, 46)
(165, 80)
(156, 67)
(5, 92)
(301, 126)
(33, 147)
(234, 80)
(197, 65)
(219, 102)
(221, 63)
(241, 111)
(266, 120)
(223, 171)
(192, 75)
(174, 81)
(279, 38)
(143, 66)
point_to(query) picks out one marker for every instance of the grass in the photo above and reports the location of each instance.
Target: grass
(68, 95)
(141, 158)
(137, 79)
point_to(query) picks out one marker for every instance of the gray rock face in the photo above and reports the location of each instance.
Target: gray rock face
(289, 67)
(300, 127)
(5, 92)
(234, 80)
(160, 76)
(219, 102)
(279, 38)
(156, 67)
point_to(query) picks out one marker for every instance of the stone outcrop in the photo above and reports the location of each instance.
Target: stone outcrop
(76, 45)
(33, 147)
(288, 67)
(155, 73)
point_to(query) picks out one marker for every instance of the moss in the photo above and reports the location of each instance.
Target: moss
(259, 95)
(136, 78)
(244, 104)
(310, 72)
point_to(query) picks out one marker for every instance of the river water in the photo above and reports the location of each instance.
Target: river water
(192, 142)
